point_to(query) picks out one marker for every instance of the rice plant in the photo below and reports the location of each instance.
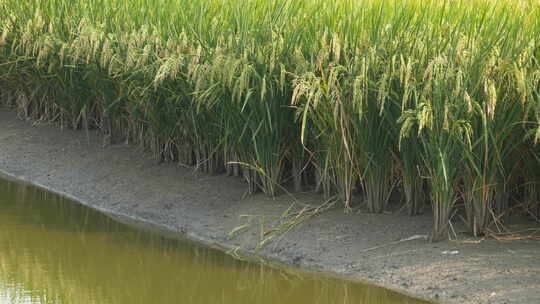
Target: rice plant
(437, 99)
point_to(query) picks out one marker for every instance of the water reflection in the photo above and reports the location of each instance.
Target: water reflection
(56, 251)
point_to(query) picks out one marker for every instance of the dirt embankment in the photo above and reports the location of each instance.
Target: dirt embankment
(123, 181)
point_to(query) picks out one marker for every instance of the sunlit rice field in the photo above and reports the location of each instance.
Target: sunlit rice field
(436, 100)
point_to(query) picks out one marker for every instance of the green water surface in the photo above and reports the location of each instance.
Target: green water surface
(53, 250)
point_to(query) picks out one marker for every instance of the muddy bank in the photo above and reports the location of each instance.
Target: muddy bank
(123, 181)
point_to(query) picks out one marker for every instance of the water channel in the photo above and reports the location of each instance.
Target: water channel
(56, 251)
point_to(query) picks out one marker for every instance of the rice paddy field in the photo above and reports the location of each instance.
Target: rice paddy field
(437, 101)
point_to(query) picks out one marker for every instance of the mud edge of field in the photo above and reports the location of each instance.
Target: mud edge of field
(384, 249)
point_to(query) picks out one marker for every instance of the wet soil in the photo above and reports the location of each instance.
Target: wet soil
(126, 182)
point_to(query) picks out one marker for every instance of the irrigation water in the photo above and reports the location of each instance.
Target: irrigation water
(53, 251)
